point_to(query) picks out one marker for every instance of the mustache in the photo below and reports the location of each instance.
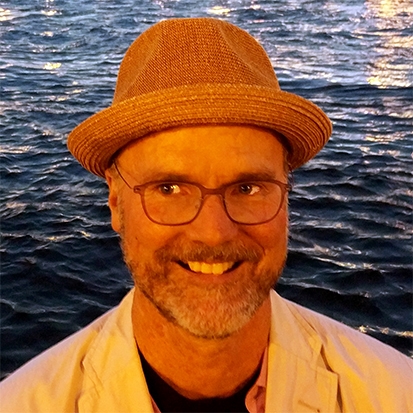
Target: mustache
(197, 251)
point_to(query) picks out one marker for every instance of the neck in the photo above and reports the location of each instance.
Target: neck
(196, 367)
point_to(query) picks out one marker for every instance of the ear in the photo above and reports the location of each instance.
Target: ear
(114, 201)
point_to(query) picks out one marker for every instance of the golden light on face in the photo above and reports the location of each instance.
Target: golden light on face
(211, 275)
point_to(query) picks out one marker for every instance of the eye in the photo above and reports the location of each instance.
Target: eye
(248, 188)
(169, 189)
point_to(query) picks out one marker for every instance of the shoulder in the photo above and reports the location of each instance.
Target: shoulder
(340, 339)
(368, 371)
(56, 376)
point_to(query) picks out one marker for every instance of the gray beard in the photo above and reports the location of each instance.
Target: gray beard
(214, 311)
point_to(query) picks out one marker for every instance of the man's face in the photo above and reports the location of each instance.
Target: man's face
(211, 275)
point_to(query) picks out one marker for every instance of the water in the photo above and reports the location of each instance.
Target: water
(351, 227)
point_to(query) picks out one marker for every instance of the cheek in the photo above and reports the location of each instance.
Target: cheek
(272, 236)
(141, 236)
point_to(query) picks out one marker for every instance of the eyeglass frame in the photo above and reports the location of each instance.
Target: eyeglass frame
(220, 191)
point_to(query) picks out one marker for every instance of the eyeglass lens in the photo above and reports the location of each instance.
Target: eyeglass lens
(179, 203)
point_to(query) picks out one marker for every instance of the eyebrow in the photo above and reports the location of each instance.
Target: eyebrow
(255, 176)
(262, 175)
(167, 177)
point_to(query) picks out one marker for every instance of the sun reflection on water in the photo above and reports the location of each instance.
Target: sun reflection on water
(219, 11)
(5, 15)
(392, 18)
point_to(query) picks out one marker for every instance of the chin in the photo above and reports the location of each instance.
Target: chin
(209, 312)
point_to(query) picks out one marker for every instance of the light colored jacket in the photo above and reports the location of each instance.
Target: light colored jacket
(315, 364)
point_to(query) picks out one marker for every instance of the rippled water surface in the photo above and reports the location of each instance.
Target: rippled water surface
(351, 208)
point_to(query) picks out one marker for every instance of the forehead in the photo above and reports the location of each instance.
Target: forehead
(205, 154)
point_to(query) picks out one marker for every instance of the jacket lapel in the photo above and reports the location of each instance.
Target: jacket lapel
(298, 380)
(114, 380)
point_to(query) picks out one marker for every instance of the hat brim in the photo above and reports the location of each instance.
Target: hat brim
(305, 126)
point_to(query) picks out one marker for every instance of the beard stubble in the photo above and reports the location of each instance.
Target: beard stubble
(209, 311)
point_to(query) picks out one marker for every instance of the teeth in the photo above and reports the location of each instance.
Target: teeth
(214, 268)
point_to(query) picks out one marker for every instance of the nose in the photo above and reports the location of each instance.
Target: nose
(212, 226)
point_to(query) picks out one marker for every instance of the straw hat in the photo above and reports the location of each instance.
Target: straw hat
(183, 72)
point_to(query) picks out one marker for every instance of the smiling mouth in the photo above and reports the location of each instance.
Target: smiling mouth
(216, 268)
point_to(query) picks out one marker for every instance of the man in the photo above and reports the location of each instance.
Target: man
(196, 150)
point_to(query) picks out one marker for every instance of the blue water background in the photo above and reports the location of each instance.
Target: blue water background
(351, 208)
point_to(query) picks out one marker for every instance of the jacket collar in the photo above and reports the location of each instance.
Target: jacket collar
(298, 379)
(114, 380)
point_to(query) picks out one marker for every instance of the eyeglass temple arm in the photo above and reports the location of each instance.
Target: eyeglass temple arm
(123, 179)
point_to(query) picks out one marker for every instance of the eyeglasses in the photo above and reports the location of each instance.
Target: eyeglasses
(179, 203)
